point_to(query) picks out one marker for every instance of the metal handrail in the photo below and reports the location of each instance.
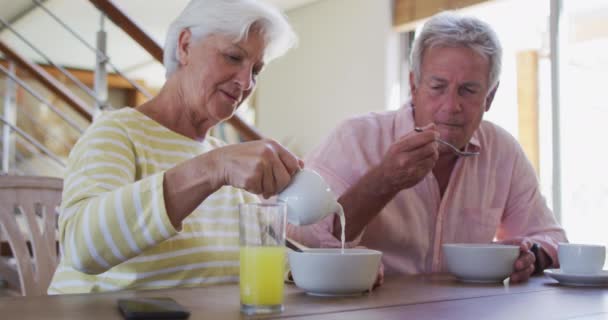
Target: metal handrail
(105, 57)
(41, 125)
(48, 81)
(21, 158)
(41, 99)
(66, 73)
(33, 141)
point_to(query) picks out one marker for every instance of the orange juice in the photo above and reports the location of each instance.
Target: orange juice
(262, 270)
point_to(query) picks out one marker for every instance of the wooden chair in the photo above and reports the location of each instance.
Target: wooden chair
(36, 199)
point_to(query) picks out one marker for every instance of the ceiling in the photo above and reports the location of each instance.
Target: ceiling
(154, 16)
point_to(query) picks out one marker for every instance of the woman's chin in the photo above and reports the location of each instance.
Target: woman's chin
(221, 118)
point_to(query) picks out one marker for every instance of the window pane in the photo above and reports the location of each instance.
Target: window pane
(584, 65)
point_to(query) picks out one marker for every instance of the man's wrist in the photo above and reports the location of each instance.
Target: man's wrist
(379, 185)
(542, 259)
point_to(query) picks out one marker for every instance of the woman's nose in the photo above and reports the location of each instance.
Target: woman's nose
(245, 79)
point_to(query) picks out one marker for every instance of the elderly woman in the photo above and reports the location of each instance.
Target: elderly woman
(150, 200)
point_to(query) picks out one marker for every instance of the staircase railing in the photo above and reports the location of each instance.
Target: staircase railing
(92, 48)
(48, 81)
(33, 141)
(27, 141)
(58, 89)
(39, 97)
(40, 53)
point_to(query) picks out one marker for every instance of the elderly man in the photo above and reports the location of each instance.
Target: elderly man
(406, 195)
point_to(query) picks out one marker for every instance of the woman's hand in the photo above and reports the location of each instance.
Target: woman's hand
(262, 167)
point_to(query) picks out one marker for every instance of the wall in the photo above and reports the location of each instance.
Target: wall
(344, 65)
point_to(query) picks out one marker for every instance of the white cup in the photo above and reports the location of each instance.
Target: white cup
(309, 198)
(581, 258)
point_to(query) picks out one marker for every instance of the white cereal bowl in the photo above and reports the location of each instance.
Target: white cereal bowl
(328, 272)
(480, 262)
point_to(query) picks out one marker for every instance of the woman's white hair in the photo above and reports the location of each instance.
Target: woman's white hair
(232, 18)
(448, 29)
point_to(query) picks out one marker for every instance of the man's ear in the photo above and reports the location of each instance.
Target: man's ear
(183, 46)
(490, 97)
(412, 83)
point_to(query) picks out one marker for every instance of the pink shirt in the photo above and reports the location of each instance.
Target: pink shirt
(492, 196)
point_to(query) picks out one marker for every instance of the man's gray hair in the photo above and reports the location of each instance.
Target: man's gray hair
(448, 29)
(232, 18)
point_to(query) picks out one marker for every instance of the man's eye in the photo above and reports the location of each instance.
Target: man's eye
(468, 91)
(234, 58)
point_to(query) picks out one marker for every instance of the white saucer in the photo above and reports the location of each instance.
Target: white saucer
(599, 279)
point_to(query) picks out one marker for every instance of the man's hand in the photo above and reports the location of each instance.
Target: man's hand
(409, 160)
(406, 162)
(380, 276)
(524, 265)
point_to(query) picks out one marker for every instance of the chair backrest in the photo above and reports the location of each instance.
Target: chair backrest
(28, 217)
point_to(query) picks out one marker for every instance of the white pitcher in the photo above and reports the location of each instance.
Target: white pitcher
(309, 198)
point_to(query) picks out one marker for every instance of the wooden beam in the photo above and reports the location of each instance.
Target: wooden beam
(48, 81)
(87, 77)
(136, 98)
(128, 25)
(527, 100)
(245, 130)
(408, 13)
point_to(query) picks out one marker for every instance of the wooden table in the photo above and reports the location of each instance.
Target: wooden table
(411, 297)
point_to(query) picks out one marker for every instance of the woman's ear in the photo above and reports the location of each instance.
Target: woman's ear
(183, 46)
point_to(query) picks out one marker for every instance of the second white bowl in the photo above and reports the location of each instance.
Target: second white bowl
(480, 262)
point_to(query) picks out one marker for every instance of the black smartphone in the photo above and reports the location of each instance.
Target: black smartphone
(151, 308)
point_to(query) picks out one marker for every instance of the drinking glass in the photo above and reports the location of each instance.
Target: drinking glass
(262, 257)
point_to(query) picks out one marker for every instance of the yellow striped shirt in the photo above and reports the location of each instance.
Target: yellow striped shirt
(114, 230)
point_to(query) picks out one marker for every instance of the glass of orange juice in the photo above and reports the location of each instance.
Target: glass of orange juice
(262, 257)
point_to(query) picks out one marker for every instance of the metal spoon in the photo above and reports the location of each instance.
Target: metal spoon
(455, 150)
(294, 245)
(289, 243)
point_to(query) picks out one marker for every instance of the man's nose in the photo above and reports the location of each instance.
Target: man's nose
(452, 103)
